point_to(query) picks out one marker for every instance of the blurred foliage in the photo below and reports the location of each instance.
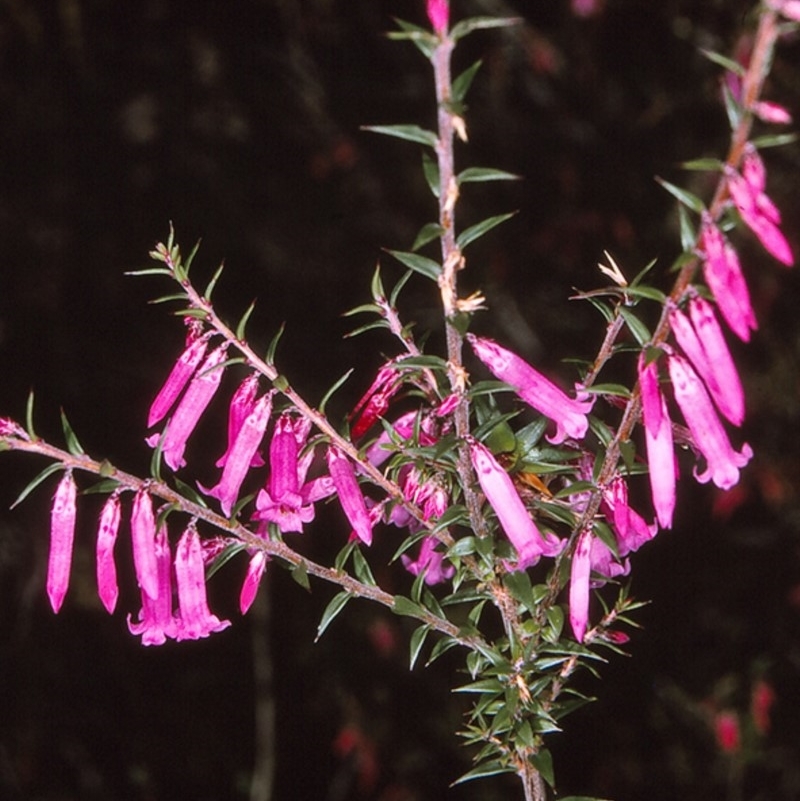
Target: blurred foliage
(241, 124)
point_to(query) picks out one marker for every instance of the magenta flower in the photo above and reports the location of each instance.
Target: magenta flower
(352, 501)
(430, 561)
(629, 526)
(724, 277)
(659, 443)
(181, 372)
(771, 112)
(193, 403)
(242, 403)
(439, 14)
(702, 341)
(375, 400)
(156, 620)
(529, 543)
(255, 569)
(569, 415)
(755, 207)
(62, 536)
(240, 457)
(723, 462)
(285, 500)
(579, 585)
(106, 539)
(196, 620)
(143, 532)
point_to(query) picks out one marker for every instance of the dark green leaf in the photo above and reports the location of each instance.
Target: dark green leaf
(702, 165)
(424, 40)
(336, 604)
(636, 326)
(430, 169)
(420, 264)
(462, 83)
(649, 292)
(417, 641)
(684, 196)
(479, 174)
(406, 607)
(29, 417)
(442, 645)
(361, 568)
(300, 574)
(213, 282)
(491, 768)
(190, 492)
(411, 133)
(227, 553)
(467, 26)
(329, 394)
(73, 446)
(398, 287)
(476, 231)
(273, 345)
(48, 471)
(774, 140)
(427, 233)
(240, 328)
(688, 233)
(543, 762)
(608, 389)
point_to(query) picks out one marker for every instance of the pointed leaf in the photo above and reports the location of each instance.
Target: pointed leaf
(467, 26)
(329, 394)
(417, 641)
(463, 82)
(685, 197)
(481, 174)
(300, 574)
(419, 264)
(636, 326)
(29, 417)
(213, 282)
(73, 446)
(478, 230)
(411, 133)
(543, 762)
(728, 63)
(336, 604)
(430, 169)
(48, 471)
(491, 768)
(240, 328)
(273, 345)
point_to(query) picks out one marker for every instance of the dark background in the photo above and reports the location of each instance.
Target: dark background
(240, 123)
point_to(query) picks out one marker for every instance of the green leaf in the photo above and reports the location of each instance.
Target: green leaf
(187, 262)
(48, 471)
(240, 328)
(732, 107)
(424, 40)
(543, 762)
(411, 133)
(476, 231)
(728, 63)
(424, 360)
(649, 292)
(398, 287)
(419, 264)
(329, 394)
(445, 644)
(427, 233)
(430, 169)
(150, 271)
(417, 641)
(702, 165)
(467, 26)
(492, 767)
(73, 446)
(684, 196)
(774, 140)
(336, 604)
(406, 607)
(519, 585)
(617, 390)
(362, 569)
(636, 326)
(29, 417)
(227, 553)
(688, 233)
(190, 492)
(273, 345)
(480, 174)
(362, 329)
(482, 686)
(167, 298)
(300, 574)
(104, 487)
(213, 282)
(465, 546)
(463, 82)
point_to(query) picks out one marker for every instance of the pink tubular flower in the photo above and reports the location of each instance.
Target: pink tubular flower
(181, 372)
(772, 112)
(659, 443)
(375, 400)
(193, 403)
(529, 543)
(196, 620)
(242, 403)
(755, 207)
(106, 539)
(630, 527)
(286, 501)
(255, 569)
(430, 561)
(579, 585)
(724, 277)
(240, 457)
(352, 501)
(789, 8)
(537, 391)
(143, 532)
(439, 14)
(702, 341)
(62, 536)
(723, 462)
(156, 621)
